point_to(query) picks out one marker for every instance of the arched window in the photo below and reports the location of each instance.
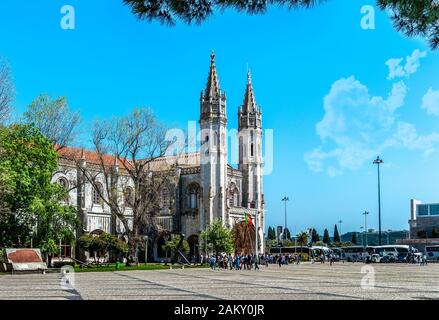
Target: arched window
(129, 197)
(97, 192)
(165, 198)
(193, 194)
(233, 196)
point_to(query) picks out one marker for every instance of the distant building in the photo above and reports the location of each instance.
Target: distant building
(424, 220)
(424, 225)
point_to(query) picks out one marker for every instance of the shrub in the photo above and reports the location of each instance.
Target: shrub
(101, 245)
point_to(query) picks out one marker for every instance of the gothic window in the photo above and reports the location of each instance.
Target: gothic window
(193, 195)
(129, 197)
(233, 196)
(165, 198)
(251, 150)
(97, 192)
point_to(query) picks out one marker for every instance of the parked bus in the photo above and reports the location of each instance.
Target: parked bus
(390, 253)
(353, 253)
(432, 253)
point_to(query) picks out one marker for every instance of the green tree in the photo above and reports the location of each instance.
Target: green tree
(101, 246)
(288, 234)
(314, 236)
(271, 233)
(435, 233)
(415, 18)
(218, 238)
(54, 119)
(336, 234)
(354, 238)
(302, 239)
(422, 234)
(326, 238)
(171, 245)
(29, 198)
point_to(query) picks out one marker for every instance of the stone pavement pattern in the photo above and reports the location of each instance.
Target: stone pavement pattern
(305, 281)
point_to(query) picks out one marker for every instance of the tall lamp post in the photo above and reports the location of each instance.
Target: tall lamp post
(285, 199)
(379, 161)
(365, 213)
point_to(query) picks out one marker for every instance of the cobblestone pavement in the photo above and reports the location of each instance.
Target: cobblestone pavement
(305, 281)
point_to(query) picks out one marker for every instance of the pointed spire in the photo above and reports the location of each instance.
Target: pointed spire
(249, 97)
(212, 87)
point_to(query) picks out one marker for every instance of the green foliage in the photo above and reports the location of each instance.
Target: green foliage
(287, 233)
(173, 243)
(28, 196)
(435, 233)
(189, 11)
(100, 245)
(415, 18)
(326, 238)
(314, 236)
(302, 239)
(219, 239)
(271, 233)
(49, 246)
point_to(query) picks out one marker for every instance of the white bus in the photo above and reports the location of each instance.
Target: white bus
(354, 253)
(396, 252)
(432, 253)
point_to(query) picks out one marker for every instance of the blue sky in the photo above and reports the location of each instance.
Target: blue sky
(323, 148)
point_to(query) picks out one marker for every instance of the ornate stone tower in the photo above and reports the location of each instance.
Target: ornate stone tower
(250, 149)
(213, 151)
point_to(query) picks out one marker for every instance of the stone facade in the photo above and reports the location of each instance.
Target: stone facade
(205, 187)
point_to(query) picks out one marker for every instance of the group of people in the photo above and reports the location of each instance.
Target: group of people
(250, 261)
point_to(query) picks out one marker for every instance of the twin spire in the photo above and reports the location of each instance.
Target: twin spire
(213, 88)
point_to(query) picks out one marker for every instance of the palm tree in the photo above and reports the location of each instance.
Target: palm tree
(302, 238)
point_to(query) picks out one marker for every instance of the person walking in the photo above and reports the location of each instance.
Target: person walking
(255, 257)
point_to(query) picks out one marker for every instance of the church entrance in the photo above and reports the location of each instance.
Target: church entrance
(245, 238)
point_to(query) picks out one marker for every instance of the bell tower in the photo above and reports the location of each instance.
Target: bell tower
(250, 149)
(213, 151)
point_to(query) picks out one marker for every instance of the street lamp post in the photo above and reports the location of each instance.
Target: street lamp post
(285, 199)
(365, 213)
(379, 161)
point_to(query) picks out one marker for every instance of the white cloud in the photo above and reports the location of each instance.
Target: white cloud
(412, 64)
(357, 126)
(430, 102)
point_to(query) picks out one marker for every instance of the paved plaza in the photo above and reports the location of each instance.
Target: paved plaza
(305, 281)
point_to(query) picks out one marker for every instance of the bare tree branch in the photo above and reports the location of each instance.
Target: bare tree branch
(54, 119)
(6, 91)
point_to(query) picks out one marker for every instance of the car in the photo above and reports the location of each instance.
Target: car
(375, 258)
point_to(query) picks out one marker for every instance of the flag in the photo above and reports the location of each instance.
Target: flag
(248, 219)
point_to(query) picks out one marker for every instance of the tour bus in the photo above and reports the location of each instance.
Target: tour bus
(432, 253)
(396, 253)
(317, 251)
(354, 253)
